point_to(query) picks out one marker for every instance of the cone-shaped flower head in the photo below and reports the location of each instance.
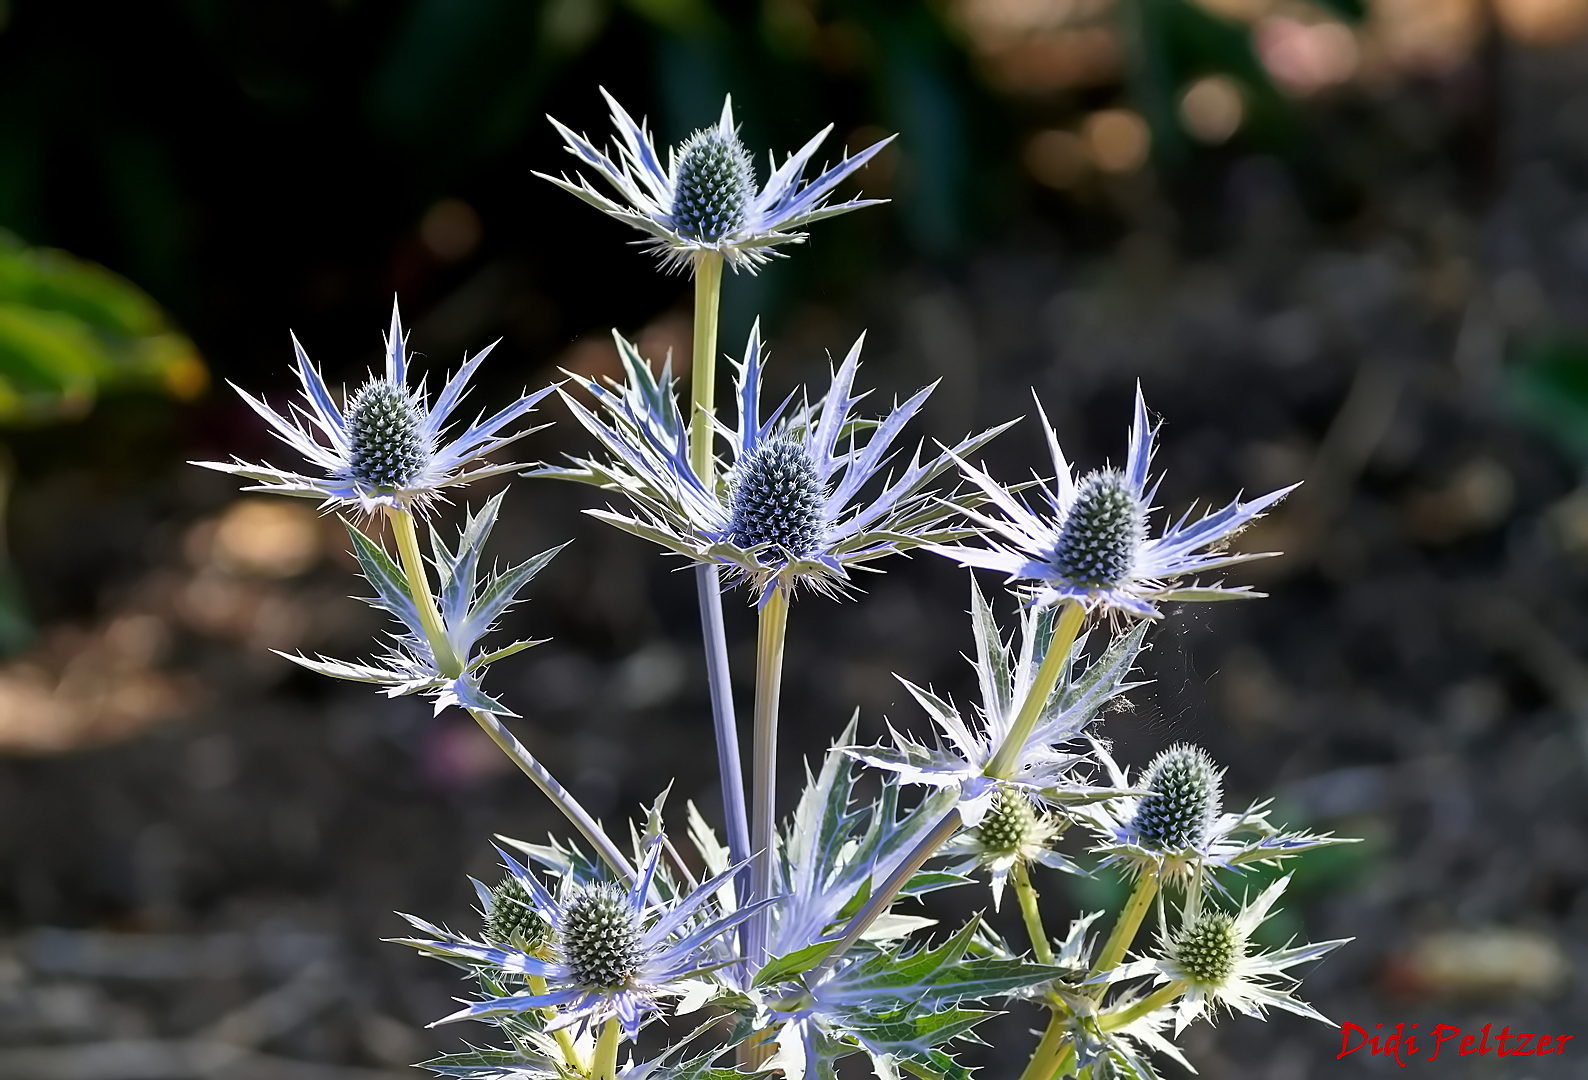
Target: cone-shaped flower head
(705, 201)
(1015, 830)
(1207, 949)
(510, 917)
(1211, 955)
(388, 445)
(1091, 540)
(1183, 799)
(796, 500)
(616, 951)
(1175, 829)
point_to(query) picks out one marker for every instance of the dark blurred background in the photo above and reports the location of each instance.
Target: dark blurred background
(1340, 243)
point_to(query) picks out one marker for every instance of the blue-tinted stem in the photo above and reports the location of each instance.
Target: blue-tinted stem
(729, 763)
(588, 827)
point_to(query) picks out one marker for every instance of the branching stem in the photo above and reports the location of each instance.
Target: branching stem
(1007, 756)
(1124, 932)
(402, 526)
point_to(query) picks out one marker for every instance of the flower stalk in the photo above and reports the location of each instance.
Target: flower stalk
(1072, 616)
(1124, 932)
(1053, 1053)
(604, 1065)
(1160, 997)
(1031, 913)
(413, 563)
(771, 636)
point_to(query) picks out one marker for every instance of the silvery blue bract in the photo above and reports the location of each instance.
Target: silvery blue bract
(1090, 542)
(388, 446)
(705, 202)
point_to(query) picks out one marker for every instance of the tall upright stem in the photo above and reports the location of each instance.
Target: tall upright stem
(1003, 762)
(708, 583)
(402, 527)
(1051, 1052)
(703, 365)
(770, 638)
(730, 767)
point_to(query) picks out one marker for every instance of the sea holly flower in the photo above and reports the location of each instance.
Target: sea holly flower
(468, 608)
(1211, 958)
(388, 444)
(1175, 827)
(1045, 768)
(1091, 541)
(615, 951)
(705, 201)
(1014, 830)
(790, 507)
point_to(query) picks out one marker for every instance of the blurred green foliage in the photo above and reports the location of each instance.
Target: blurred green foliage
(71, 330)
(1548, 382)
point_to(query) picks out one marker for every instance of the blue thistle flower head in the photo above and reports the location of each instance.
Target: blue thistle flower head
(705, 202)
(804, 495)
(1089, 539)
(1183, 799)
(388, 444)
(614, 950)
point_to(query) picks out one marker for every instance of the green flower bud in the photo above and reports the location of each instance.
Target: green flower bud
(1206, 950)
(510, 920)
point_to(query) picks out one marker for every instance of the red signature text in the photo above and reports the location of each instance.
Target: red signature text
(1401, 1042)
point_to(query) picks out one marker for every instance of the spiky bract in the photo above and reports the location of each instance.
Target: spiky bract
(704, 202)
(1090, 541)
(386, 446)
(797, 499)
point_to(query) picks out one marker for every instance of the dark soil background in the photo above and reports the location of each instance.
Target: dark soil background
(202, 846)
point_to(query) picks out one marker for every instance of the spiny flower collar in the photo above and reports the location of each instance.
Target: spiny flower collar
(1091, 542)
(1211, 952)
(705, 201)
(387, 445)
(789, 507)
(615, 951)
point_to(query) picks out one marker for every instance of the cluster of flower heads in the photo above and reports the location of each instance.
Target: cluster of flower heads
(571, 952)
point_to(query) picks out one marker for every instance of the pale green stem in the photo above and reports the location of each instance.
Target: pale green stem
(570, 1053)
(588, 827)
(1031, 913)
(1051, 1053)
(1156, 1000)
(703, 365)
(771, 635)
(402, 526)
(1007, 756)
(1124, 932)
(604, 1065)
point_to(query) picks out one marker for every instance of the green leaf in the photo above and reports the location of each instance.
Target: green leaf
(783, 968)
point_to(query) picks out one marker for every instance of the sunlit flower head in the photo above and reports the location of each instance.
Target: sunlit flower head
(387, 444)
(613, 950)
(1212, 954)
(1175, 827)
(803, 496)
(1016, 830)
(705, 201)
(1090, 540)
